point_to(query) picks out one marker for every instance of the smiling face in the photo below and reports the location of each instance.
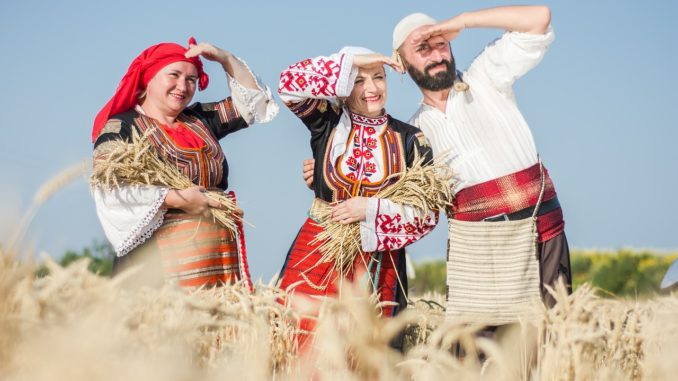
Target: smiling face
(430, 63)
(171, 89)
(368, 96)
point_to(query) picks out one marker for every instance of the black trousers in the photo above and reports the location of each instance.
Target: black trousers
(554, 262)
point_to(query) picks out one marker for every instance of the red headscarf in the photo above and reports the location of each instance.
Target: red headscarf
(140, 72)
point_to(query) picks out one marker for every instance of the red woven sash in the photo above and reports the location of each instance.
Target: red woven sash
(509, 194)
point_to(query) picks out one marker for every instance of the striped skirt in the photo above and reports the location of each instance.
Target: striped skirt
(304, 274)
(199, 252)
(383, 272)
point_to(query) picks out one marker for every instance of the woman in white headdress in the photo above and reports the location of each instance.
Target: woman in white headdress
(357, 146)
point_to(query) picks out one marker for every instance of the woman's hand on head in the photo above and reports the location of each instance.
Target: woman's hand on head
(191, 200)
(351, 210)
(208, 51)
(369, 60)
(231, 64)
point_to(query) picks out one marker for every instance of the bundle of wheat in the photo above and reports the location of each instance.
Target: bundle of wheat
(138, 163)
(424, 186)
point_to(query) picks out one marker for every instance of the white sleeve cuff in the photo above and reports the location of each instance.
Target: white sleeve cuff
(368, 228)
(130, 214)
(254, 105)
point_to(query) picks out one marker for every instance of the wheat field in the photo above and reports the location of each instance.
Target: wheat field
(75, 325)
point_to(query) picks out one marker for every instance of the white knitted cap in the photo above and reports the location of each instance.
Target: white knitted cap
(411, 22)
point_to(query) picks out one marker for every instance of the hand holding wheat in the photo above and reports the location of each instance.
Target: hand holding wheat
(137, 163)
(351, 210)
(191, 200)
(425, 186)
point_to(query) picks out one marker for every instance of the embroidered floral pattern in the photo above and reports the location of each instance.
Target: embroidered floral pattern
(313, 77)
(359, 161)
(395, 231)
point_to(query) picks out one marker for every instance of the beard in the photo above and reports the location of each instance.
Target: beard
(439, 81)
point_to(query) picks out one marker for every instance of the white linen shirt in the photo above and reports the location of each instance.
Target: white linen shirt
(482, 135)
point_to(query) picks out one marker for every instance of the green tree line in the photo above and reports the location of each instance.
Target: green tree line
(616, 273)
(100, 255)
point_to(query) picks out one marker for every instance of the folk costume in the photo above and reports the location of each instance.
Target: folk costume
(354, 156)
(490, 149)
(190, 250)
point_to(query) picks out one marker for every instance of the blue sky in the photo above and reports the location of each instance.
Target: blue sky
(602, 108)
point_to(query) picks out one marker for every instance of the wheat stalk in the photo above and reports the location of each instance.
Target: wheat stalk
(46, 191)
(72, 324)
(424, 186)
(138, 163)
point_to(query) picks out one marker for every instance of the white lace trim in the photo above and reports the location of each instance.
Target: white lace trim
(145, 228)
(246, 95)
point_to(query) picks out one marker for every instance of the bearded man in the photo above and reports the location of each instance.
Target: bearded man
(473, 123)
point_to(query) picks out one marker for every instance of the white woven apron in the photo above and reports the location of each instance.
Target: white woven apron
(493, 272)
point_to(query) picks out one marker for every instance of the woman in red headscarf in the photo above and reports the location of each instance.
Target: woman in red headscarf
(167, 227)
